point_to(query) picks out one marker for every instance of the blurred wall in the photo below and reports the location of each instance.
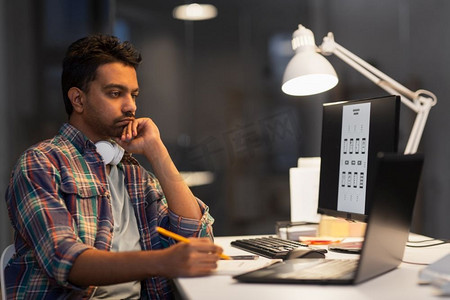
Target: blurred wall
(213, 88)
(34, 36)
(227, 75)
(5, 229)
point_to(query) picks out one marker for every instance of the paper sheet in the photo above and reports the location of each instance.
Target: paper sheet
(304, 186)
(235, 267)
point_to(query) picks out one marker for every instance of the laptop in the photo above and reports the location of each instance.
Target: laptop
(388, 224)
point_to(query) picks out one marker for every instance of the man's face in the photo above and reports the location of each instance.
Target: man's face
(111, 100)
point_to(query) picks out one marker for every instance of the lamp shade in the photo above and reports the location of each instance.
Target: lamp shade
(308, 72)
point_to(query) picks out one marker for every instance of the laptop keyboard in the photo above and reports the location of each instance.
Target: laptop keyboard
(325, 269)
(270, 247)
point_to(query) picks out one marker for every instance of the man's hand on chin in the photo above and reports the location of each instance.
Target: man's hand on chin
(139, 135)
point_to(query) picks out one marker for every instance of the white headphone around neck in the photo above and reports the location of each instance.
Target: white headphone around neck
(111, 153)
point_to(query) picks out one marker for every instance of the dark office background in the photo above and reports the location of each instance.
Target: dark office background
(213, 88)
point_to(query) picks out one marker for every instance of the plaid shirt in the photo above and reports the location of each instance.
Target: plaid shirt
(59, 204)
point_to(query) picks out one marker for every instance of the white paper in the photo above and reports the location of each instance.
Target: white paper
(304, 188)
(235, 267)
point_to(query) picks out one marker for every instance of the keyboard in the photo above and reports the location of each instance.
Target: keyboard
(326, 269)
(270, 247)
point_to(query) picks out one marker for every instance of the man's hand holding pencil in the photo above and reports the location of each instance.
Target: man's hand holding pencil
(190, 257)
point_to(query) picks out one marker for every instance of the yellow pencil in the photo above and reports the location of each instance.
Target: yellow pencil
(180, 238)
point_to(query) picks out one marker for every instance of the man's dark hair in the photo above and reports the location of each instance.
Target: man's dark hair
(84, 56)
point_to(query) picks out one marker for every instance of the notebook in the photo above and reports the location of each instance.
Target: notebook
(388, 224)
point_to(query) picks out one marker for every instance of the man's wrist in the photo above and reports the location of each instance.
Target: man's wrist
(155, 150)
(157, 263)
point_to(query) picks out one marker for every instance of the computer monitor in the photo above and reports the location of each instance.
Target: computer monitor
(353, 132)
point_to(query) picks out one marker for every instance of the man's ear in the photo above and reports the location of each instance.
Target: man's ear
(76, 97)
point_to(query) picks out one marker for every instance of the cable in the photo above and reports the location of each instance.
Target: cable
(422, 241)
(441, 242)
(415, 263)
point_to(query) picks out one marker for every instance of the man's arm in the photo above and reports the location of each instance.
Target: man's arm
(96, 267)
(142, 136)
(179, 197)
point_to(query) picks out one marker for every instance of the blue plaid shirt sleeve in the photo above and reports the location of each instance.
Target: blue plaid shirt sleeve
(42, 218)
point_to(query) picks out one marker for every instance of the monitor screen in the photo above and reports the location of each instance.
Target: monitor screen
(353, 132)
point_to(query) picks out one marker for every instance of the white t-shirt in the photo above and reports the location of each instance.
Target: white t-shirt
(125, 237)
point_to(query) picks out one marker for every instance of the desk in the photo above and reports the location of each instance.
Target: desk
(397, 284)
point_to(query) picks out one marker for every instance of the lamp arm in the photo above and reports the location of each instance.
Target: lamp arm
(420, 101)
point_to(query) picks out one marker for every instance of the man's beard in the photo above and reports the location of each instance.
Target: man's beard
(117, 131)
(107, 129)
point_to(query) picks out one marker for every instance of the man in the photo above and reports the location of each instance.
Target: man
(85, 229)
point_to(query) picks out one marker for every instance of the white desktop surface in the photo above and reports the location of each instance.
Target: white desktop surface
(400, 283)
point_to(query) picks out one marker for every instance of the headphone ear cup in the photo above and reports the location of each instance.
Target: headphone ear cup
(118, 154)
(111, 153)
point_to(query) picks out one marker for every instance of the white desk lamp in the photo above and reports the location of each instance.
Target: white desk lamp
(310, 73)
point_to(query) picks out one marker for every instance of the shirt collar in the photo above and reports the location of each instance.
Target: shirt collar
(81, 142)
(76, 137)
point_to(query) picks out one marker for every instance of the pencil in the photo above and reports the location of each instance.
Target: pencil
(180, 238)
